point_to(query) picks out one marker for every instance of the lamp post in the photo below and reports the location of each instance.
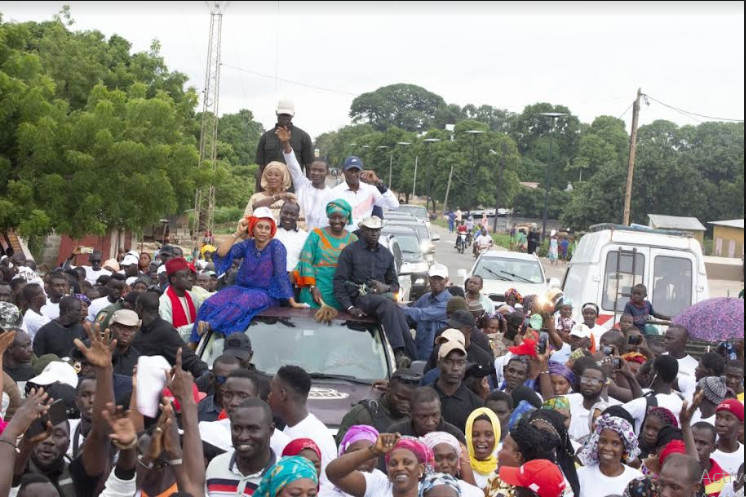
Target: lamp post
(473, 133)
(498, 188)
(391, 159)
(428, 141)
(553, 116)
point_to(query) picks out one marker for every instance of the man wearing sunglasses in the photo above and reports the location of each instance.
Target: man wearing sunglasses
(209, 408)
(93, 271)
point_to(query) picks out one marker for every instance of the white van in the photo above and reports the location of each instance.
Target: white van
(611, 259)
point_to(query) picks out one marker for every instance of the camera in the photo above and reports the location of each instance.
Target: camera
(617, 363)
(543, 340)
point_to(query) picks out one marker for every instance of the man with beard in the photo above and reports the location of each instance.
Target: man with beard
(56, 337)
(17, 359)
(47, 457)
(239, 472)
(593, 381)
(425, 417)
(124, 326)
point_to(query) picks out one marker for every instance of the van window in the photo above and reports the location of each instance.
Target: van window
(672, 285)
(625, 278)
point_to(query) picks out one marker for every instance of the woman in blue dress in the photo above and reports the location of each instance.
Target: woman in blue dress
(262, 279)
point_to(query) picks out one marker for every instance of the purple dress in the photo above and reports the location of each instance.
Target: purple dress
(262, 279)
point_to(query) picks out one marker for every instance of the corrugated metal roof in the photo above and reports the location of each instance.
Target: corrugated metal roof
(675, 223)
(733, 223)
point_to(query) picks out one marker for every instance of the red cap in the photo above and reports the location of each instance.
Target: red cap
(733, 406)
(192, 267)
(175, 265)
(672, 447)
(177, 405)
(542, 477)
(527, 347)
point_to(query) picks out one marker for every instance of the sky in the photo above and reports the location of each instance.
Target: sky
(590, 57)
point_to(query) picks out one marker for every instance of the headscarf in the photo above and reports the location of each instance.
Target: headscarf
(589, 454)
(487, 466)
(357, 433)
(714, 388)
(298, 445)
(664, 415)
(84, 298)
(278, 166)
(254, 220)
(521, 409)
(421, 451)
(567, 302)
(562, 370)
(435, 438)
(642, 487)
(436, 480)
(285, 471)
(339, 206)
(513, 292)
(556, 403)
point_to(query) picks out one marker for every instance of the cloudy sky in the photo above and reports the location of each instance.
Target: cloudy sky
(590, 57)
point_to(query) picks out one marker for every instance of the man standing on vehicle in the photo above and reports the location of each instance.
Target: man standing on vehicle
(391, 407)
(363, 190)
(365, 283)
(270, 147)
(429, 312)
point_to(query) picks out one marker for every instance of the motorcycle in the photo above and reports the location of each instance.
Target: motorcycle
(469, 238)
(460, 243)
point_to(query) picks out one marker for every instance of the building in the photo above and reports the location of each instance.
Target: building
(727, 238)
(688, 225)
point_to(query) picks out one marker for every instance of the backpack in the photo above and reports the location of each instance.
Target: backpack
(381, 420)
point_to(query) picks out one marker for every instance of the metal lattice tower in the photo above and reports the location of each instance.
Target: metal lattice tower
(204, 202)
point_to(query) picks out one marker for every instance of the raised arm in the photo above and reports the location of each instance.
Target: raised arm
(299, 179)
(343, 471)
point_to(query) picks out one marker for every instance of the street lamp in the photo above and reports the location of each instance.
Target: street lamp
(473, 133)
(428, 141)
(498, 189)
(553, 116)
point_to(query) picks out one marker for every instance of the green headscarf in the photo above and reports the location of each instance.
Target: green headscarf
(285, 471)
(556, 403)
(339, 206)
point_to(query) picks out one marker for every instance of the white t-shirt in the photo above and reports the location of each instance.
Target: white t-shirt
(687, 387)
(312, 200)
(597, 331)
(637, 407)
(729, 461)
(468, 490)
(562, 355)
(580, 421)
(97, 306)
(32, 321)
(593, 483)
(293, 242)
(377, 484)
(91, 276)
(687, 365)
(51, 310)
(483, 241)
(314, 429)
(697, 417)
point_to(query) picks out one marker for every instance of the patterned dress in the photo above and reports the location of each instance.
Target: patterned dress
(261, 281)
(318, 263)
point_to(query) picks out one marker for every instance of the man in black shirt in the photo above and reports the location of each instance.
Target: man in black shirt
(56, 337)
(457, 401)
(365, 274)
(270, 148)
(426, 417)
(17, 359)
(158, 337)
(123, 326)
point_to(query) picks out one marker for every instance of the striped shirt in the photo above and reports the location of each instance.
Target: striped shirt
(223, 478)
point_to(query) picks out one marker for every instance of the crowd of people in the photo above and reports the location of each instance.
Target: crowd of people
(103, 394)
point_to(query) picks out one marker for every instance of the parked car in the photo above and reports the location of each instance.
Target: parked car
(415, 266)
(418, 211)
(502, 270)
(427, 246)
(611, 259)
(405, 282)
(344, 358)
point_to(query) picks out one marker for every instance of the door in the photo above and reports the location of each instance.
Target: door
(672, 281)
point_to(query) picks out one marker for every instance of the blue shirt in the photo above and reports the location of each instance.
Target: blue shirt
(429, 312)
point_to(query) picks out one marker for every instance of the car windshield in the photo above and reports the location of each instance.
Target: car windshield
(342, 348)
(410, 245)
(420, 228)
(507, 269)
(417, 211)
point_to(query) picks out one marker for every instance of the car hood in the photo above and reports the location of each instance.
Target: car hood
(498, 288)
(330, 400)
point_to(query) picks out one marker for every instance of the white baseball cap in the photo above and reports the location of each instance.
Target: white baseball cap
(263, 212)
(285, 106)
(438, 270)
(580, 330)
(56, 371)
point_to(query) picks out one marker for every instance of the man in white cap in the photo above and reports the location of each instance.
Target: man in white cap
(428, 314)
(363, 190)
(364, 282)
(270, 148)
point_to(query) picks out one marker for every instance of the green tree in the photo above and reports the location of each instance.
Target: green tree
(408, 107)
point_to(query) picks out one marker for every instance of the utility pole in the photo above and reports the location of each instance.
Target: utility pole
(448, 189)
(414, 180)
(632, 152)
(498, 190)
(204, 201)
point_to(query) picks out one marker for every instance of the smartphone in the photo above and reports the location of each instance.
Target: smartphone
(543, 340)
(634, 340)
(86, 250)
(617, 363)
(56, 414)
(608, 350)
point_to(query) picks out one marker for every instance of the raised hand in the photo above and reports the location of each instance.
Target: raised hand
(123, 430)
(385, 443)
(180, 382)
(687, 411)
(6, 340)
(171, 440)
(100, 351)
(35, 405)
(283, 134)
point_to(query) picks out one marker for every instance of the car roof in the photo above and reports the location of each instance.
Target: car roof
(289, 312)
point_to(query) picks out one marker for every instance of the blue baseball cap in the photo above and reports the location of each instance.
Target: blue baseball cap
(352, 162)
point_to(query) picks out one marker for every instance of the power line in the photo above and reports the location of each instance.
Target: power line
(685, 112)
(625, 111)
(261, 75)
